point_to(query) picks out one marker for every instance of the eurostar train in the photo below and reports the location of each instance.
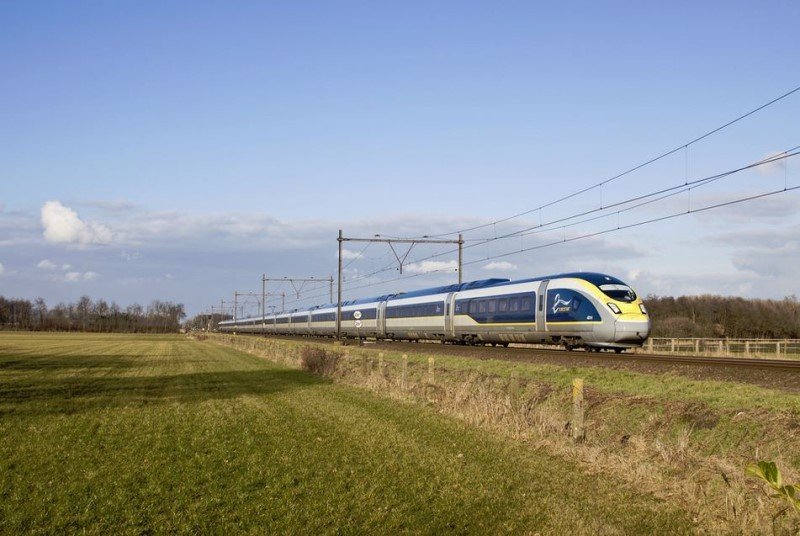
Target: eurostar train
(583, 309)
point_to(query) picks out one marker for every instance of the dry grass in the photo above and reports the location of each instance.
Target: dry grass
(318, 361)
(690, 453)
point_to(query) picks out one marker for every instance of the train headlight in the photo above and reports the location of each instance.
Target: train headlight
(643, 309)
(613, 307)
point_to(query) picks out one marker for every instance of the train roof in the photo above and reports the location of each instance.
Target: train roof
(483, 283)
(594, 278)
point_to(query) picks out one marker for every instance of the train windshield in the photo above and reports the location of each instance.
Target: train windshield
(622, 293)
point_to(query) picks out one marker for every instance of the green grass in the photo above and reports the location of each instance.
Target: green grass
(152, 434)
(721, 395)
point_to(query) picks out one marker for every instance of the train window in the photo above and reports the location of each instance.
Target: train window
(622, 293)
(526, 304)
(492, 306)
(502, 305)
(482, 306)
(438, 308)
(473, 306)
(513, 305)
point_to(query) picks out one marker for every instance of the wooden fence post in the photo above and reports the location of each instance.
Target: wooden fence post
(578, 430)
(431, 377)
(404, 377)
(778, 349)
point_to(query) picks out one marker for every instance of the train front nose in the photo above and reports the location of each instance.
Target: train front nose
(632, 329)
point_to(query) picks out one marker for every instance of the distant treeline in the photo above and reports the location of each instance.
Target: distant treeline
(88, 315)
(717, 316)
(687, 316)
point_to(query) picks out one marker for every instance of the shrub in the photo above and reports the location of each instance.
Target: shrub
(318, 361)
(769, 473)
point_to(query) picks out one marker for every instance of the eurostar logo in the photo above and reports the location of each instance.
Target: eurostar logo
(561, 306)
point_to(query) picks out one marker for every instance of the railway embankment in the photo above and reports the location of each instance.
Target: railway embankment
(685, 440)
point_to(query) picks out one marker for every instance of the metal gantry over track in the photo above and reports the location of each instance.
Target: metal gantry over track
(400, 260)
(297, 290)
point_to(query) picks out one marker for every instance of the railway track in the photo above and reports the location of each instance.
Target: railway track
(718, 361)
(530, 354)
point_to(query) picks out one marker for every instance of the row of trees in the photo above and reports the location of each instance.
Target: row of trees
(88, 315)
(717, 316)
(687, 316)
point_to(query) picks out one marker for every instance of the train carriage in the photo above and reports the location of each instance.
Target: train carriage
(581, 309)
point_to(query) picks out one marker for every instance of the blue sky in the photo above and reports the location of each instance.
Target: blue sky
(201, 144)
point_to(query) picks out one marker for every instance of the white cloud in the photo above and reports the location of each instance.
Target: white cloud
(503, 266)
(2, 268)
(130, 256)
(350, 255)
(63, 226)
(47, 264)
(66, 267)
(73, 277)
(777, 165)
(425, 267)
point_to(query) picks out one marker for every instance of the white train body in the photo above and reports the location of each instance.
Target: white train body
(576, 309)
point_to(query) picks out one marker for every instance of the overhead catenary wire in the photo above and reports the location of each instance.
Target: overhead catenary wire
(593, 234)
(687, 186)
(357, 256)
(683, 146)
(542, 227)
(583, 236)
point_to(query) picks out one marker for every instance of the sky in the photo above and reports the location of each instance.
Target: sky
(180, 150)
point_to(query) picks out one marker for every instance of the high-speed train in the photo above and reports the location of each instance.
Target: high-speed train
(582, 309)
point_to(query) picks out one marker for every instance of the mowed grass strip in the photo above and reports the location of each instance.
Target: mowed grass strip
(139, 434)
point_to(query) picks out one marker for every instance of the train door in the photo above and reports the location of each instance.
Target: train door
(541, 307)
(449, 311)
(381, 317)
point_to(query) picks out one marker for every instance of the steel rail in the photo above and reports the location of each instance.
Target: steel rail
(531, 352)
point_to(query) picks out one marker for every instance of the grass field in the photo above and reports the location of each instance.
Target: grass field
(152, 434)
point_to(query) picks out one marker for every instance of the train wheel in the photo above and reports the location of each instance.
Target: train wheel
(619, 350)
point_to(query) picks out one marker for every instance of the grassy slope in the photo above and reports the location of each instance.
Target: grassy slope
(125, 433)
(722, 395)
